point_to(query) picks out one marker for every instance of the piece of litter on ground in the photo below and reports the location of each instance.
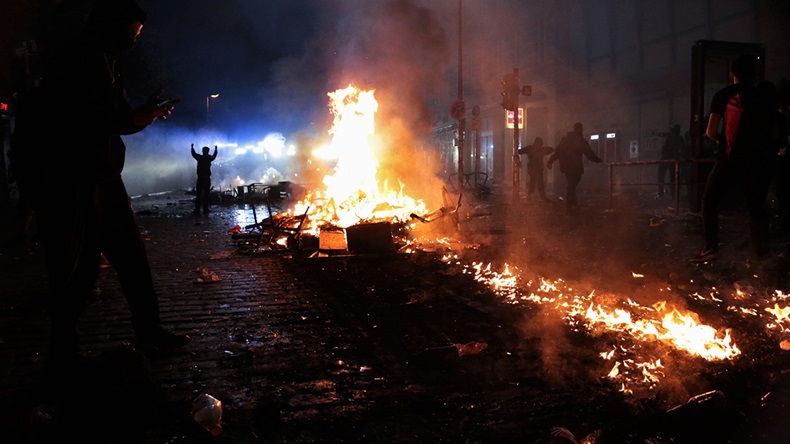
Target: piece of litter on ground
(562, 432)
(207, 276)
(470, 348)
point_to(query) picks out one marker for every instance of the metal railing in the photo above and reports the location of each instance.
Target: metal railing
(676, 176)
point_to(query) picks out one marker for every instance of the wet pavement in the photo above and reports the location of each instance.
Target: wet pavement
(414, 346)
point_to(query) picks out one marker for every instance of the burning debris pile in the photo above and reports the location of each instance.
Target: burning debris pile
(356, 211)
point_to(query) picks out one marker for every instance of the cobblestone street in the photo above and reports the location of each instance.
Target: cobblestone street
(370, 348)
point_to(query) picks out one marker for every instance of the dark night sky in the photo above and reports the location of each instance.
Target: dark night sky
(273, 62)
(232, 48)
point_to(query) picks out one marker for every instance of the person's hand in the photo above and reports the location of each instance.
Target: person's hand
(154, 108)
(548, 165)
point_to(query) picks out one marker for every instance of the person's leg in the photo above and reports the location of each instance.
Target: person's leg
(715, 187)
(540, 183)
(206, 195)
(198, 201)
(72, 254)
(756, 187)
(124, 249)
(531, 186)
(684, 177)
(573, 183)
(783, 191)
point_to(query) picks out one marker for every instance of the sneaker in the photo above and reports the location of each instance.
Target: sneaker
(708, 254)
(161, 339)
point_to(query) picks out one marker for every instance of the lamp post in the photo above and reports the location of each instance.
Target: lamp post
(208, 109)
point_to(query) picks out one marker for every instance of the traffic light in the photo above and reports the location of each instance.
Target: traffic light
(510, 92)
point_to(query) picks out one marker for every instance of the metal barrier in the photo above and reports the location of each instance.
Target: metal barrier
(676, 163)
(475, 181)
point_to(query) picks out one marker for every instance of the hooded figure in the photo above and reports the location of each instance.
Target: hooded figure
(84, 113)
(109, 24)
(569, 152)
(535, 154)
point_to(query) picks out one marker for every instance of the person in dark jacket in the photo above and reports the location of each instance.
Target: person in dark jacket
(203, 184)
(672, 148)
(748, 113)
(569, 152)
(81, 151)
(535, 155)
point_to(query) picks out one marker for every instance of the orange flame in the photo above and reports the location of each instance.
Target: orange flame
(645, 325)
(353, 193)
(698, 339)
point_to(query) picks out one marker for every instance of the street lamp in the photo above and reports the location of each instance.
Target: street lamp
(209, 97)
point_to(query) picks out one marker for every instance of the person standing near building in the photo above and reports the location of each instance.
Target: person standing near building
(569, 152)
(782, 183)
(671, 150)
(746, 154)
(535, 155)
(203, 184)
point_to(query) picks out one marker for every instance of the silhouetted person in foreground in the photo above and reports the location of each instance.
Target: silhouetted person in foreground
(70, 136)
(672, 148)
(203, 184)
(746, 154)
(569, 152)
(535, 155)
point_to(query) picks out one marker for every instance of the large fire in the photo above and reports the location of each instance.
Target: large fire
(354, 193)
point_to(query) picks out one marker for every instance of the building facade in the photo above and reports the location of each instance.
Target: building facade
(623, 68)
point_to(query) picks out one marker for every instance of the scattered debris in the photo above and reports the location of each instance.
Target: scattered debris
(207, 276)
(207, 412)
(562, 432)
(470, 348)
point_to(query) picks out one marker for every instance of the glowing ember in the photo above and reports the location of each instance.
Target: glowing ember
(781, 317)
(644, 325)
(353, 192)
(782, 314)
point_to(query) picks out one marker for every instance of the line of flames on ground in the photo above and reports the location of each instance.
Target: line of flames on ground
(642, 324)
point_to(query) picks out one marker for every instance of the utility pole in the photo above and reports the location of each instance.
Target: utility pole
(510, 92)
(510, 103)
(459, 107)
(516, 159)
(476, 142)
